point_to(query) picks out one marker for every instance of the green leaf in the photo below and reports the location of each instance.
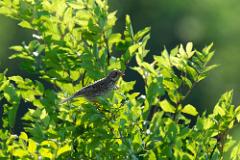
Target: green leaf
(74, 75)
(208, 68)
(111, 19)
(201, 77)
(151, 155)
(28, 95)
(17, 48)
(11, 94)
(17, 79)
(12, 115)
(235, 153)
(4, 85)
(25, 24)
(154, 90)
(45, 152)
(19, 152)
(192, 72)
(63, 149)
(209, 57)
(224, 104)
(148, 67)
(138, 69)
(114, 38)
(129, 28)
(182, 51)
(189, 109)
(167, 107)
(187, 81)
(237, 112)
(76, 5)
(189, 48)
(133, 48)
(141, 33)
(49, 143)
(43, 114)
(169, 84)
(32, 146)
(23, 136)
(218, 110)
(36, 131)
(208, 48)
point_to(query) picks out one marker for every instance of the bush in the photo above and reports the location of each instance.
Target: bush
(73, 45)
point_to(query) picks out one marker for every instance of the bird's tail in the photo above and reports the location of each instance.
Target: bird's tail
(77, 94)
(67, 99)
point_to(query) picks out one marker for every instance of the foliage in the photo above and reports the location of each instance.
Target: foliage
(73, 45)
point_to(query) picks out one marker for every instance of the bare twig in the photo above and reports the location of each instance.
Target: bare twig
(121, 136)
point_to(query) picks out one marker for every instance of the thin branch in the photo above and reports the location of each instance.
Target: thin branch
(108, 48)
(121, 136)
(214, 148)
(150, 115)
(83, 77)
(188, 92)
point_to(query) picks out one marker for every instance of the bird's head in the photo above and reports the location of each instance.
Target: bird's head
(115, 75)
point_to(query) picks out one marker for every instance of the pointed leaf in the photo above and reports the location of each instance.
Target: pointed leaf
(189, 109)
(167, 107)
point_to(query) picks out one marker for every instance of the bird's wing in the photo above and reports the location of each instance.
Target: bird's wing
(91, 90)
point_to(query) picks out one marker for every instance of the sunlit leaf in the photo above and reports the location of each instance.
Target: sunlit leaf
(46, 153)
(23, 136)
(133, 48)
(211, 67)
(189, 47)
(219, 110)
(19, 153)
(151, 155)
(189, 109)
(49, 143)
(63, 149)
(25, 24)
(11, 94)
(32, 146)
(141, 33)
(167, 107)
(114, 38)
(17, 48)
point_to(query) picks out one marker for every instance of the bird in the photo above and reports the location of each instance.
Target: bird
(99, 88)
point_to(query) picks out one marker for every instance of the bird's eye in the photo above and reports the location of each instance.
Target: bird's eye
(114, 74)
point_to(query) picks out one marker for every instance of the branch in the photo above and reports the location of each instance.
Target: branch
(108, 48)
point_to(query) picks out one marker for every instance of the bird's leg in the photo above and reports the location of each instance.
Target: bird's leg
(100, 109)
(116, 87)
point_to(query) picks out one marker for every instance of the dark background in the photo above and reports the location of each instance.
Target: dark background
(172, 22)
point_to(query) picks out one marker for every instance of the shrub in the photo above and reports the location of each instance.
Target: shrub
(73, 44)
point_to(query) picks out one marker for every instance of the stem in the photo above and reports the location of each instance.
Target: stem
(83, 77)
(121, 137)
(188, 92)
(150, 115)
(108, 48)
(214, 148)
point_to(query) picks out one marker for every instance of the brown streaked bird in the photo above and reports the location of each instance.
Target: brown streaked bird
(99, 88)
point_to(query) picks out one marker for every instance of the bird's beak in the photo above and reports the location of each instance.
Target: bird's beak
(122, 74)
